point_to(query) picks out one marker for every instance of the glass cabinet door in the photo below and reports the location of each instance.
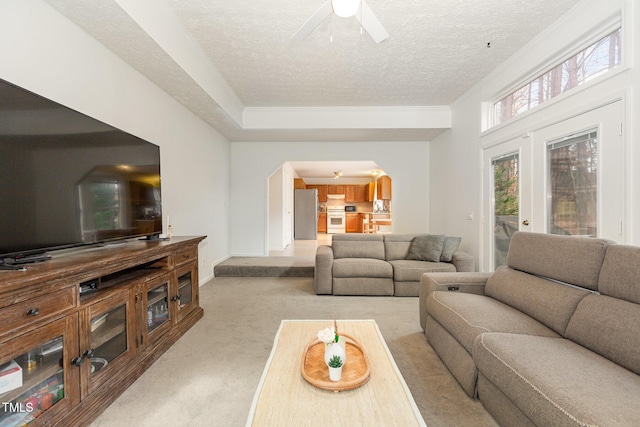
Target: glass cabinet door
(110, 339)
(187, 296)
(156, 305)
(36, 380)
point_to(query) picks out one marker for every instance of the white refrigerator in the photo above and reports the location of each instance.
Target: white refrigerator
(305, 214)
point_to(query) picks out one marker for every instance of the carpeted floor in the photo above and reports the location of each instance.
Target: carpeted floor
(209, 377)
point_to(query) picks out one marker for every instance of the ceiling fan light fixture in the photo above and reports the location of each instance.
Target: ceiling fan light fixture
(345, 8)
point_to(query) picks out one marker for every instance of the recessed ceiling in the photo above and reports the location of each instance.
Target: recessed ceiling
(314, 172)
(219, 58)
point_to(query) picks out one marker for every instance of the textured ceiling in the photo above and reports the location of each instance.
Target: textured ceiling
(436, 51)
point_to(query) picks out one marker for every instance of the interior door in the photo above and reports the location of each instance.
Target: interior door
(507, 198)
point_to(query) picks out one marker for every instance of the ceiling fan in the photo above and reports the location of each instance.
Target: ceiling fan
(345, 9)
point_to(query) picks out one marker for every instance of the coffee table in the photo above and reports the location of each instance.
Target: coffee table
(284, 397)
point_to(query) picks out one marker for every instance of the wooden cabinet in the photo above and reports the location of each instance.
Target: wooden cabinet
(354, 193)
(335, 189)
(322, 222)
(322, 192)
(77, 352)
(370, 192)
(107, 337)
(298, 184)
(49, 382)
(353, 223)
(384, 188)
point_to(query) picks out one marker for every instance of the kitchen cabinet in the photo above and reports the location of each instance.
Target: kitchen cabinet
(354, 193)
(322, 222)
(322, 192)
(76, 352)
(370, 192)
(298, 184)
(384, 188)
(336, 189)
(353, 223)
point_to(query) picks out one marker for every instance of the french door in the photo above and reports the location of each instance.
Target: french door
(507, 203)
(567, 178)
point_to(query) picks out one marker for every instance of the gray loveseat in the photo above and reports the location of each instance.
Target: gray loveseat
(377, 264)
(551, 339)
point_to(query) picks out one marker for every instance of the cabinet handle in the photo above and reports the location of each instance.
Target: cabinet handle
(175, 298)
(88, 353)
(33, 312)
(77, 361)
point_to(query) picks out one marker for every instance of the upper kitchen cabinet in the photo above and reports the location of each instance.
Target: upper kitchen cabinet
(336, 189)
(384, 188)
(322, 192)
(370, 192)
(298, 184)
(354, 193)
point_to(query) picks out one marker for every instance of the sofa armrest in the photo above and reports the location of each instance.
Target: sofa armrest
(323, 274)
(463, 261)
(469, 282)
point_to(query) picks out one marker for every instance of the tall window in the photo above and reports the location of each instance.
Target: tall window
(573, 185)
(593, 61)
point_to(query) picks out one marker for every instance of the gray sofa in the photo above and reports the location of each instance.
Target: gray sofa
(377, 264)
(551, 339)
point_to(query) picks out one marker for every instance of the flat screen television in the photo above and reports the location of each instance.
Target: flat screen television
(68, 180)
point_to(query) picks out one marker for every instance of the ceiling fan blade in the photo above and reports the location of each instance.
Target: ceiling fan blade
(320, 15)
(370, 22)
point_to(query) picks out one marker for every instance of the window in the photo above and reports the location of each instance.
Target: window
(573, 185)
(505, 205)
(591, 62)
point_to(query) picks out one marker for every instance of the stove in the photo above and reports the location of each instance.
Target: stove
(336, 219)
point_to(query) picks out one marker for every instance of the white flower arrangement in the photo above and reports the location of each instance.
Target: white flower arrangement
(328, 335)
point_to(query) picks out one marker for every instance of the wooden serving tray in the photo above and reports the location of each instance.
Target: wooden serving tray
(355, 372)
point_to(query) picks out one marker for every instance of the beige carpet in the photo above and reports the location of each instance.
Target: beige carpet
(209, 377)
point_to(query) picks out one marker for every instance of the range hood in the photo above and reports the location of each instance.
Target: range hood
(335, 196)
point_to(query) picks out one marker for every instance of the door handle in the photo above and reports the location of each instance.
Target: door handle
(525, 222)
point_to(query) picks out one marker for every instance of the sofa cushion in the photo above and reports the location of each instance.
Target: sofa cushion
(449, 247)
(426, 248)
(362, 267)
(405, 270)
(574, 260)
(465, 316)
(548, 302)
(396, 246)
(608, 326)
(557, 382)
(358, 246)
(620, 275)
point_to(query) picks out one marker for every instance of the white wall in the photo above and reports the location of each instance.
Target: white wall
(252, 164)
(276, 210)
(45, 53)
(456, 153)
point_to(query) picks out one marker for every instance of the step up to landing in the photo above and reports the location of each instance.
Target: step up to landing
(266, 267)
